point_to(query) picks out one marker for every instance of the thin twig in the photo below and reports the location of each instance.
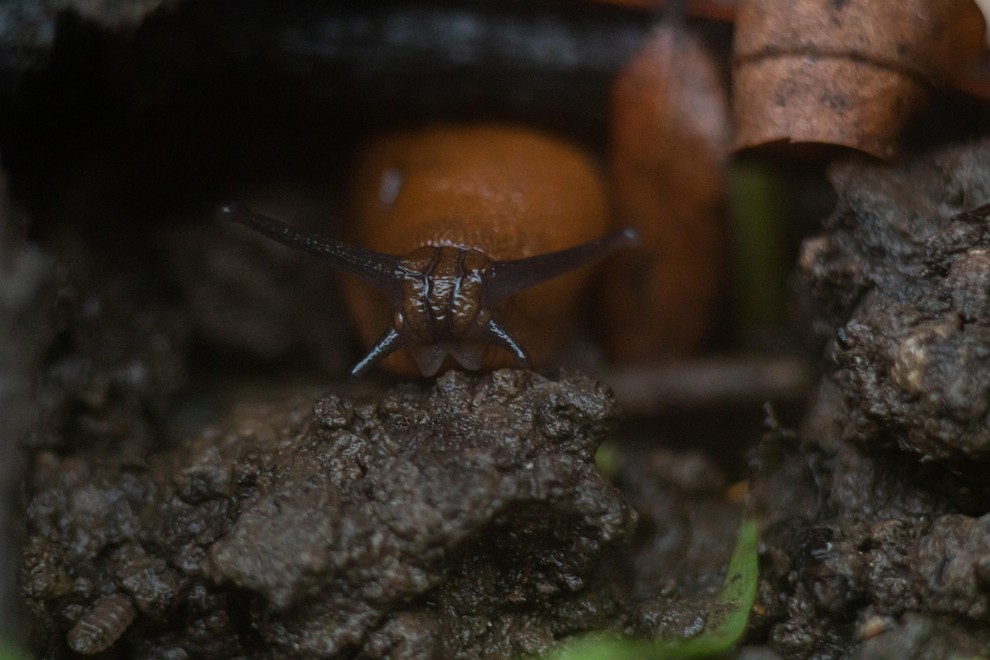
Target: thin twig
(710, 383)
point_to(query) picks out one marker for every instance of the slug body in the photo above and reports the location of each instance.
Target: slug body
(458, 224)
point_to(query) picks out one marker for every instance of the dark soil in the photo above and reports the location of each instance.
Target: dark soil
(464, 519)
(890, 559)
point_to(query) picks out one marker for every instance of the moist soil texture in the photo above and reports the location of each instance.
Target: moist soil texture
(885, 552)
(466, 518)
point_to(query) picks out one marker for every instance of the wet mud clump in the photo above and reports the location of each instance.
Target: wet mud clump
(463, 519)
(887, 554)
(908, 281)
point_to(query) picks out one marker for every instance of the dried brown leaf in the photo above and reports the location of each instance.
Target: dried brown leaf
(845, 72)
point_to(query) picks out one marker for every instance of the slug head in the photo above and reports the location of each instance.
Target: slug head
(441, 311)
(444, 299)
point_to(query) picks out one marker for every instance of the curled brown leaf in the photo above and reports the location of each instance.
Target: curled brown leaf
(845, 72)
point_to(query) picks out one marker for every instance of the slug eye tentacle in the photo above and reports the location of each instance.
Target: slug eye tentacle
(504, 278)
(380, 270)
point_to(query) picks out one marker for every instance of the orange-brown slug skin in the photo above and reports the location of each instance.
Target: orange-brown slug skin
(507, 192)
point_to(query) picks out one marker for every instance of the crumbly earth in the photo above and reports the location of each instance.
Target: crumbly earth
(463, 519)
(900, 283)
(470, 513)
(878, 509)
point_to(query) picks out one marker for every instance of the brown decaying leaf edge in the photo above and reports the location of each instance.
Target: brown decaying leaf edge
(973, 80)
(847, 74)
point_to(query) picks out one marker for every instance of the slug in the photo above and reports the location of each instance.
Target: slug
(459, 226)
